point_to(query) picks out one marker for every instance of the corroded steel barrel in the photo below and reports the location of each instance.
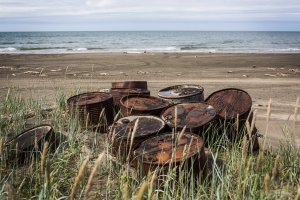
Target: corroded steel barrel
(171, 150)
(231, 102)
(142, 105)
(182, 93)
(121, 133)
(119, 93)
(31, 140)
(89, 106)
(130, 85)
(233, 107)
(195, 116)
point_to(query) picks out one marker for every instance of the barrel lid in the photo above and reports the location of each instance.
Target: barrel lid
(130, 84)
(230, 102)
(28, 137)
(146, 126)
(89, 98)
(158, 150)
(143, 103)
(191, 115)
(180, 91)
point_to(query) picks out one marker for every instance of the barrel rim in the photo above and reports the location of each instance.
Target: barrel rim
(137, 90)
(72, 100)
(248, 110)
(143, 96)
(50, 131)
(163, 124)
(174, 161)
(173, 126)
(184, 96)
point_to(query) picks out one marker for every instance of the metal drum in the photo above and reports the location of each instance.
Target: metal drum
(171, 150)
(195, 116)
(182, 93)
(31, 140)
(89, 106)
(130, 85)
(230, 102)
(120, 138)
(233, 107)
(142, 105)
(119, 93)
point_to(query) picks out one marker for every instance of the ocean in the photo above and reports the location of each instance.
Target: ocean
(148, 41)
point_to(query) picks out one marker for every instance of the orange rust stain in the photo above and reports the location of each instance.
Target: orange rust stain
(162, 157)
(165, 145)
(179, 154)
(182, 141)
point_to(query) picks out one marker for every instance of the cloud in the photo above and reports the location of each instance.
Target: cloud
(115, 11)
(187, 7)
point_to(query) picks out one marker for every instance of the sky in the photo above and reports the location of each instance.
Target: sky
(105, 15)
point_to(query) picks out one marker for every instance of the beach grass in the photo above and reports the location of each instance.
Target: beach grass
(81, 167)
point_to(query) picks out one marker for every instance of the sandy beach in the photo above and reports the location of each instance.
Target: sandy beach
(263, 76)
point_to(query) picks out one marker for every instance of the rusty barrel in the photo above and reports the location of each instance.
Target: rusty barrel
(89, 106)
(195, 116)
(122, 130)
(233, 107)
(182, 93)
(31, 140)
(231, 102)
(167, 151)
(130, 85)
(142, 105)
(119, 93)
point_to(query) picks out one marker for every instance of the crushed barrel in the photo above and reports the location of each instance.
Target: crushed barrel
(195, 116)
(122, 131)
(171, 150)
(89, 107)
(142, 105)
(182, 93)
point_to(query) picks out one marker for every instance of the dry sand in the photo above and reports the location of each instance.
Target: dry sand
(264, 76)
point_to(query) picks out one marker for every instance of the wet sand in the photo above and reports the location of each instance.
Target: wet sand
(263, 76)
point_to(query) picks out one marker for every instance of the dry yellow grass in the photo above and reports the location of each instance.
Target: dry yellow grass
(78, 178)
(93, 173)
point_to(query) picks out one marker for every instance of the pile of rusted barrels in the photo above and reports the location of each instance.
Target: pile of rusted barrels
(169, 129)
(153, 132)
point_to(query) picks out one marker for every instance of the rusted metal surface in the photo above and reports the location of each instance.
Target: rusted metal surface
(230, 102)
(31, 140)
(182, 93)
(169, 150)
(119, 93)
(142, 105)
(233, 107)
(147, 126)
(192, 115)
(89, 107)
(130, 85)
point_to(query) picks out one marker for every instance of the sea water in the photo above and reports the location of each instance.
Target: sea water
(149, 41)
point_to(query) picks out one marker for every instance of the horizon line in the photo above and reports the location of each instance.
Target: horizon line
(18, 31)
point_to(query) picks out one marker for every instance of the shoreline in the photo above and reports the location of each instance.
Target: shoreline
(151, 52)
